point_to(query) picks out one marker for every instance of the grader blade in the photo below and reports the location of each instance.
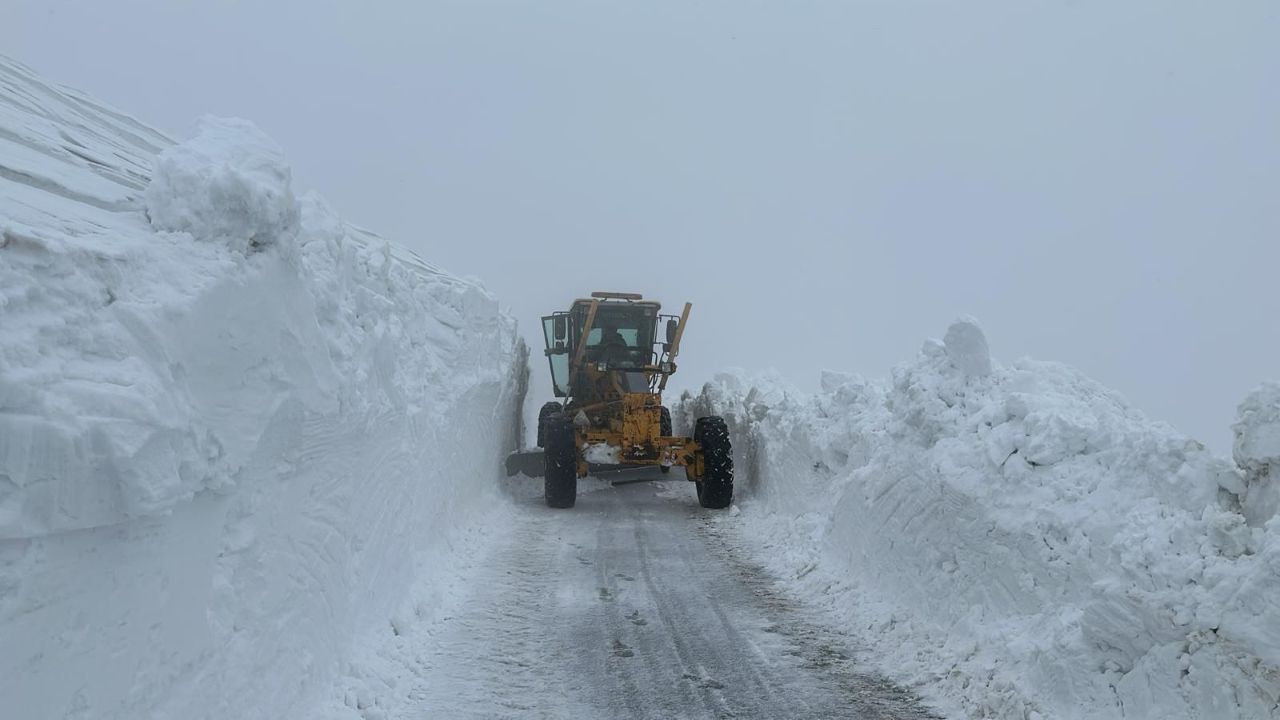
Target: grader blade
(526, 462)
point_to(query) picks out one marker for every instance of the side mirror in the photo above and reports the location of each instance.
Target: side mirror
(672, 326)
(560, 327)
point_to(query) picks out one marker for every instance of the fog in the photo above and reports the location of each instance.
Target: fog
(828, 183)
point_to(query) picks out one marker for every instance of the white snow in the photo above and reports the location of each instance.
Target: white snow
(1016, 541)
(602, 454)
(234, 430)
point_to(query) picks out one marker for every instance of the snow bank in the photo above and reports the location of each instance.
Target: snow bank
(234, 430)
(1017, 541)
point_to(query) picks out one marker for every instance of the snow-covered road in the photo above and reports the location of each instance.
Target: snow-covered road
(636, 604)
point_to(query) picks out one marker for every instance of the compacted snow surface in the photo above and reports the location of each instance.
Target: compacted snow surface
(635, 604)
(1015, 540)
(234, 431)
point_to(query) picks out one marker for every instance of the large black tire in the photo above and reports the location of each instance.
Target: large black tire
(548, 409)
(560, 481)
(715, 489)
(665, 424)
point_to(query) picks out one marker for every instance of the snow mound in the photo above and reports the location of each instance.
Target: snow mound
(1018, 542)
(228, 184)
(235, 431)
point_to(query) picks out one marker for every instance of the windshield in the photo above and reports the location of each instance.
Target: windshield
(622, 335)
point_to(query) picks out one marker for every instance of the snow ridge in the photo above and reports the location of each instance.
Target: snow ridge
(234, 429)
(1017, 541)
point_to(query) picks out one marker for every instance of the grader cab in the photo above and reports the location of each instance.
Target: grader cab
(610, 357)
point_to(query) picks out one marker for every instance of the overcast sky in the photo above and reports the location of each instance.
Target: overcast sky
(828, 182)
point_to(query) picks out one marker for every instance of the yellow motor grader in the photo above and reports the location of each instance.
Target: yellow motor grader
(610, 366)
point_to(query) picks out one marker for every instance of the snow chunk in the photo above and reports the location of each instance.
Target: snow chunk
(229, 184)
(1257, 451)
(966, 346)
(1258, 428)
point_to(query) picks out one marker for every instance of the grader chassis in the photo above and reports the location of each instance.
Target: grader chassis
(609, 368)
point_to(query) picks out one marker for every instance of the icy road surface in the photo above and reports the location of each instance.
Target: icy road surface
(635, 604)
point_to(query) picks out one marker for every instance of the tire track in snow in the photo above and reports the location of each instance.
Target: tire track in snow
(638, 604)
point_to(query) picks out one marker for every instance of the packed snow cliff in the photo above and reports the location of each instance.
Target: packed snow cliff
(1015, 540)
(233, 428)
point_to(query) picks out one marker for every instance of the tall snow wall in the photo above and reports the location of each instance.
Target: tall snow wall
(233, 428)
(1016, 541)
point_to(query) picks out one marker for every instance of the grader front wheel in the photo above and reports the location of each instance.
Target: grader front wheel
(547, 410)
(560, 488)
(715, 489)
